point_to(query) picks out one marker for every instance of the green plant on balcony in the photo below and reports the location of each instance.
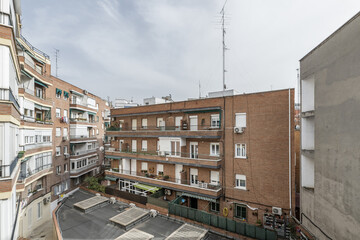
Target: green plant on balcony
(93, 184)
(21, 154)
(166, 177)
(115, 170)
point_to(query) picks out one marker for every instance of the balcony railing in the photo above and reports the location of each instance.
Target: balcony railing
(165, 128)
(82, 103)
(77, 170)
(83, 120)
(33, 66)
(82, 152)
(28, 172)
(187, 155)
(6, 170)
(7, 95)
(166, 178)
(81, 136)
(32, 93)
(34, 48)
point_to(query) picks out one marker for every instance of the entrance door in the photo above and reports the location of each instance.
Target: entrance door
(193, 123)
(178, 169)
(193, 203)
(194, 150)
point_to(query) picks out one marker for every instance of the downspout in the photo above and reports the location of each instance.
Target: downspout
(290, 182)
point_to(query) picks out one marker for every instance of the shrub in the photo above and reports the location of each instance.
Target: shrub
(93, 184)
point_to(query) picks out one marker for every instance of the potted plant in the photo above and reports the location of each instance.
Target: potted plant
(166, 177)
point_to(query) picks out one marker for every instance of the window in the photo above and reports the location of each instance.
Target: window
(65, 149)
(58, 151)
(58, 132)
(144, 166)
(240, 181)
(39, 212)
(58, 170)
(58, 93)
(215, 207)
(240, 150)
(65, 167)
(133, 146)
(144, 145)
(160, 169)
(240, 211)
(65, 113)
(97, 131)
(65, 132)
(160, 122)
(214, 149)
(144, 123)
(215, 120)
(193, 176)
(39, 92)
(133, 124)
(240, 119)
(72, 165)
(58, 110)
(214, 178)
(175, 148)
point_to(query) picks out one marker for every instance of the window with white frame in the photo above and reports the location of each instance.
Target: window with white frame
(58, 151)
(65, 167)
(160, 169)
(144, 166)
(144, 123)
(65, 149)
(175, 149)
(240, 120)
(65, 132)
(240, 181)
(97, 131)
(160, 122)
(133, 124)
(39, 211)
(240, 150)
(215, 120)
(65, 113)
(144, 145)
(214, 149)
(58, 112)
(58, 132)
(133, 146)
(58, 170)
(214, 178)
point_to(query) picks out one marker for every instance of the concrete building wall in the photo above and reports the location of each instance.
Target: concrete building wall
(333, 203)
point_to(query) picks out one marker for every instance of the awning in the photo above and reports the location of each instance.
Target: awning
(66, 94)
(77, 93)
(90, 113)
(26, 74)
(198, 197)
(113, 157)
(58, 91)
(42, 107)
(40, 83)
(147, 187)
(25, 159)
(110, 178)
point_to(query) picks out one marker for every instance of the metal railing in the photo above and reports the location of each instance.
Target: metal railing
(81, 136)
(7, 95)
(33, 66)
(201, 127)
(145, 173)
(6, 170)
(85, 120)
(28, 172)
(82, 168)
(33, 93)
(82, 152)
(34, 48)
(195, 156)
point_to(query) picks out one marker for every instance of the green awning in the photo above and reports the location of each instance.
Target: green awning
(91, 113)
(42, 107)
(147, 187)
(58, 91)
(198, 197)
(66, 94)
(33, 56)
(25, 159)
(40, 83)
(110, 178)
(113, 157)
(26, 74)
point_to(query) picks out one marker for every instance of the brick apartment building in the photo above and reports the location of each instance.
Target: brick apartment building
(51, 132)
(225, 155)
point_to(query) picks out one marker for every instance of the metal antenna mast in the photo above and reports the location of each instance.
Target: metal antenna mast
(223, 41)
(56, 61)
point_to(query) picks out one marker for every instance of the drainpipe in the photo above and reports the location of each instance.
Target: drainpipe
(290, 183)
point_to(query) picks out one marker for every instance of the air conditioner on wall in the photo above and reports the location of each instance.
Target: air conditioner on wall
(276, 211)
(238, 130)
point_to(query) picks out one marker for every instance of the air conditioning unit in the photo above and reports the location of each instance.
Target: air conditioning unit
(238, 130)
(276, 211)
(85, 92)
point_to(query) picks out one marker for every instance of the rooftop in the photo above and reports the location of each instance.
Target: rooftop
(95, 224)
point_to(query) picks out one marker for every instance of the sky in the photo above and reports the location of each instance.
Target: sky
(135, 49)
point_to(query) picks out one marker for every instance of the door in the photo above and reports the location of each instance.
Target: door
(133, 124)
(178, 123)
(194, 150)
(121, 144)
(193, 123)
(193, 203)
(133, 166)
(133, 146)
(178, 170)
(193, 176)
(126, 165)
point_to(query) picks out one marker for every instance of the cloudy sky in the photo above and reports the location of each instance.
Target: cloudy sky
(137, 49)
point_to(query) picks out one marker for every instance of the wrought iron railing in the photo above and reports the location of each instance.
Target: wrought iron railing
(6, 170)
(34, 48)
(200, 127)
(6, 94)
(28, 172)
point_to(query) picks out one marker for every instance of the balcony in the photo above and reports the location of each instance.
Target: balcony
(194, 131)
(74, 173)
(185, 185)
(7, 95)
(82, 120)
(202, 160)
(36, 173)
(82, 138)
(34, 48)
(82, 152)
(36, 97)
(6, 170)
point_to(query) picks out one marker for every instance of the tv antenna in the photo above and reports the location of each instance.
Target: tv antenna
(57, 51)
(223, 41)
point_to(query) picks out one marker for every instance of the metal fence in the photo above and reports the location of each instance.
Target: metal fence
(157, 199)
(230, 225)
